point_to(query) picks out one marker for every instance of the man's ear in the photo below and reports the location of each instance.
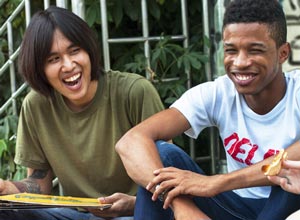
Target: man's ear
(284, 52)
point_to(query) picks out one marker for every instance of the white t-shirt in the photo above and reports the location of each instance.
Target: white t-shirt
(247, 137)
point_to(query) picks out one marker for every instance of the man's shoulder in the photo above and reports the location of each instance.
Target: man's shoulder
(293, 77)
(128, 81)
(127, 76)
(35, 97)
(295, 73)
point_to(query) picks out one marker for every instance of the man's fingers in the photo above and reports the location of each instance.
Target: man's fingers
(291, 164)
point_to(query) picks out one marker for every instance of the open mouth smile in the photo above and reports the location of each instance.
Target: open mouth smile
(72, 80)
(242, 77)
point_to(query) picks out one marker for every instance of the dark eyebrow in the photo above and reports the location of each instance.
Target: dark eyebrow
(228, 44)
(69, 47)
(258, 45)
(255, 44)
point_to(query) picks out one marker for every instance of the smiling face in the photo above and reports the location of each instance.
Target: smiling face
(68, 70)
(251, 58)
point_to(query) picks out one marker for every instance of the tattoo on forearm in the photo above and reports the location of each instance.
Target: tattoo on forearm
(21, 186)
(30, 184)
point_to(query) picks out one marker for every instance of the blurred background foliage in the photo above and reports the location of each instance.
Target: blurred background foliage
(169, 59)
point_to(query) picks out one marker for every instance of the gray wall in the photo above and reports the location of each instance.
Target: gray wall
(292, 10)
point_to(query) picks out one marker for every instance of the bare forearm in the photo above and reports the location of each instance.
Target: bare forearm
(253, 176)
(27, 185)
(139, 161)
(38, 181)
(248, 177)
(137, 148)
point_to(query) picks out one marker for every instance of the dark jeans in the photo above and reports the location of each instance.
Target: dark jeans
(51, 214)
(225, 206)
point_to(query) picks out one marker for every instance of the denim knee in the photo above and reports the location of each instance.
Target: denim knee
(174, 156)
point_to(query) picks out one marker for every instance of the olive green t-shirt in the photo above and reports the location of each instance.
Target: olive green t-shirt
(80, 147)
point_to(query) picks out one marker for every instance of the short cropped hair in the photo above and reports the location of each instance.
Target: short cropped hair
(268, 12)
(37, 43)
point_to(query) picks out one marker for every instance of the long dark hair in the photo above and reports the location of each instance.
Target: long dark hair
(38, 40)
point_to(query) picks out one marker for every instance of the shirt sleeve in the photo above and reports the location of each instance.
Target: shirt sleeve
(28, 150)
(197, 105)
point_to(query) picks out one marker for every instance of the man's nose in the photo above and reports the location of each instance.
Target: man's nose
(242, 59)
(68, 64)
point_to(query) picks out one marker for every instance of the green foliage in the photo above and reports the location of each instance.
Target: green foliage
(18, 25)
(8, 169)
(169, 66)
(8, 122)
(168, 58)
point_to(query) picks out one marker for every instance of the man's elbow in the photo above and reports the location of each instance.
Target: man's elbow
(121, 146)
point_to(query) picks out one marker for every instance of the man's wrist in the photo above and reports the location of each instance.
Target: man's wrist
(161, 197)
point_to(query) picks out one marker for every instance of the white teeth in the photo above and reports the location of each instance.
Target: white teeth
(243, 77)
(73, 78)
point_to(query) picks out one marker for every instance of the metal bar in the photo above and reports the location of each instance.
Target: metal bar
(184, 18)
(62, 3)
(27, 12)
(167, 79)
(12, 65)
(203, 159)
(146, 36)
(9, 61)
(212, 133)
(206, 34)
(105, 42)
(13, 96)
(143, 39)
(46, 4)
(78, 8)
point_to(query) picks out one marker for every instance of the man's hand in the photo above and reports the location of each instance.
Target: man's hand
(289, 176)
(182, 182)
(122, 205)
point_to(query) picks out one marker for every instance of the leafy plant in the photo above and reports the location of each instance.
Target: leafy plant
(8, 169)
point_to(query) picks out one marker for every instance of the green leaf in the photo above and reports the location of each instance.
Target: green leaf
(154, 9)
(186, 63)
(169, 51)
(3, 147)
(91, 15)
(163, 57)
(194, 62)
(180, 89)
(117, 13)
(12, 123)
(155, 55)
(161, 2)
(176, 47)
(132, 10)
(2, 58)
(12, 165)
(20, 173)
(179, 62)
(207, 41)
(204, 58)
(6, 128)
(170, 100)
